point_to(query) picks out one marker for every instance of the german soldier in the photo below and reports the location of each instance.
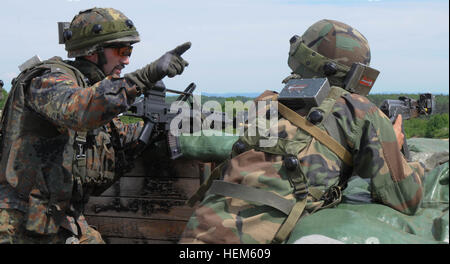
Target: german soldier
(60, 131)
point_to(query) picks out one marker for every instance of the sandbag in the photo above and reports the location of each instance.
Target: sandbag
(357, 220)
(207, 148)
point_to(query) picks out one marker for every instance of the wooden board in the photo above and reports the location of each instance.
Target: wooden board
(174, 188)
(138, 229)
(140, 208)
(147, 205)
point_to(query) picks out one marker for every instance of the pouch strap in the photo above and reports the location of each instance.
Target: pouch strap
(286, 228)
(292, 210)
(251, 194)
(79, 159)
(215, 174)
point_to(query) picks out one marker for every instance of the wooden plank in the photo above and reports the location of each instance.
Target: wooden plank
(147, 205)
(179, 168)
(138, 208)
(120, 240)
(131, 228)
(147, 187)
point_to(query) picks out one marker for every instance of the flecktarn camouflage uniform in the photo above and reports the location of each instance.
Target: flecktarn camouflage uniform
(57, 146)
(316, 173)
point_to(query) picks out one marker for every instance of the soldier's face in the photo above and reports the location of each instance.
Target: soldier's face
(115, 61)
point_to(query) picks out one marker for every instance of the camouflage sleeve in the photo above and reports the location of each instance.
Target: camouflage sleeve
(57, 97)
(377, 156)
(128, 133)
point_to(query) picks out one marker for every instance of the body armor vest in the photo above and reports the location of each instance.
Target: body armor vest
(92, 162)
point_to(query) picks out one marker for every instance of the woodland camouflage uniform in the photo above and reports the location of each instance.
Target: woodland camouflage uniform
(315, 170)
(61, 135)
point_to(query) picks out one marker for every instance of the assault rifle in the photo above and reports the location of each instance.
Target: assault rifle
(408, 108)
(155, 112)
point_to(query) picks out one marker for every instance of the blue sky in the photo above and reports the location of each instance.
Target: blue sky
(241, 46)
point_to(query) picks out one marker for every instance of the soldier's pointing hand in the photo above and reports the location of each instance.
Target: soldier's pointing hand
(169, 64)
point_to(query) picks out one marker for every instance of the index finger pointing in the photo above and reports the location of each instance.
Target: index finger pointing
(181, 48)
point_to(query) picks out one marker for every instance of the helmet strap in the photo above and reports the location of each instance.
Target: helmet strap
(101, 59)
(309, 64)
(89, 69)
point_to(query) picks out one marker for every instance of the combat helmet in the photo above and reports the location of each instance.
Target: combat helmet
(95, 27)
(328, 48)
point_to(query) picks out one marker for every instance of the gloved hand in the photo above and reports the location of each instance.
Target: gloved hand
(169, 64)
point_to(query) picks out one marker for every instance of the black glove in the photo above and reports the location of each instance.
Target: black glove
(169, 64)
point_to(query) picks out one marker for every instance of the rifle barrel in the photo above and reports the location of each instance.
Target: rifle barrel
(177, 92)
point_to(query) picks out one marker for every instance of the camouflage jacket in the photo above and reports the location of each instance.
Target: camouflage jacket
(43, 119)
(361, 128)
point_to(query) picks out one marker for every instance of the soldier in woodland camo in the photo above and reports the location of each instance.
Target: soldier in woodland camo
(60, 134)
(301, 170)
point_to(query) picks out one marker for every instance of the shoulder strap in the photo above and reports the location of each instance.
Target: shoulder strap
(56, 64)
(316, 132)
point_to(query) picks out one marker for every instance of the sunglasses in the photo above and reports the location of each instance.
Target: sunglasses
(121, 50)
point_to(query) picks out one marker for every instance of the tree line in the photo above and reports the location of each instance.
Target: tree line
(433, 126)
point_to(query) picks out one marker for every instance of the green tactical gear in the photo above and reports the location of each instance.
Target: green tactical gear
(94, 157)
(288, 150)
(94, 27)
(327, 49)
(300, 163)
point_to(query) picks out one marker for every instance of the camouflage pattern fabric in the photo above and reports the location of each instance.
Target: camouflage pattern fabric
(327, 41)
(39, 127)
(369, 136)
(12, 231)
(102, 168)
(97, 26)
(338, 41)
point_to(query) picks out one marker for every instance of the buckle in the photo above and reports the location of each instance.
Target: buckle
(81, 147)
(301, 192)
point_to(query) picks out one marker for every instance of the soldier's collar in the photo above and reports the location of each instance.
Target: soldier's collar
(89, 70)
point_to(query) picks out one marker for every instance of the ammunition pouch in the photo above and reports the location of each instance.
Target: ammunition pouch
(94, 163)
